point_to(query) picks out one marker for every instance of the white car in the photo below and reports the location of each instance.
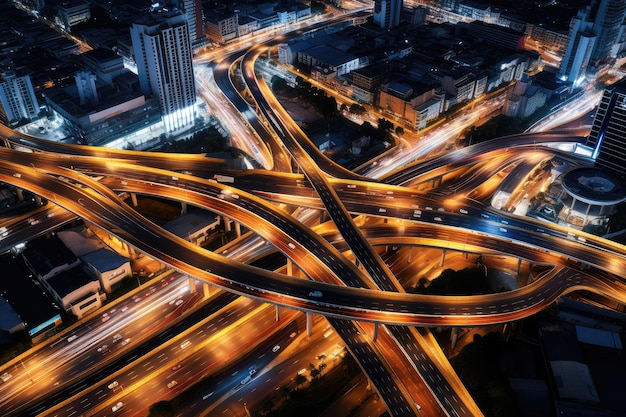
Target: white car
(5, 376)
(172, 384)
(276, 348)
(114, 385)
(117, 406)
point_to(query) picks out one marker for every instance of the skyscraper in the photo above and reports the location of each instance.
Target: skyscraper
(608, 131)
(17, 98)
(163, 55)
(582, 39)
(192, 10)
(387, 13)
(607, 17)
(593, 33)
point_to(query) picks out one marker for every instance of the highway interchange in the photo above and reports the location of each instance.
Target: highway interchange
(359, 290)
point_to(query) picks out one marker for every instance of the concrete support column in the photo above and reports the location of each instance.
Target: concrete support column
(133, 198)
(38, 200)
(410, 254)
(183, 207)
(309, 323)
(443, 257)
(226, 222)
(289, 267)
(206, 289)
(453, 337)
(192, 285)
(277, 313)
(519, 265)
(375, 335)
(20, 194)
(238, 229)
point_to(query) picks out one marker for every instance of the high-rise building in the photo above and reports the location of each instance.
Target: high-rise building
(578, 53)
(607, 17)
(163, 55)
(593, 34)
(192, 10)
(387, 13)
(17, 99)
(608, 131)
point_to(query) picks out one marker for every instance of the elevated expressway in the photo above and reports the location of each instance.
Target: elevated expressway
(324, 262)
(457, 310)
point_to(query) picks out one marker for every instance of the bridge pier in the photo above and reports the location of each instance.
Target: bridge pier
(20, 194)
(226, 223)
(375, 335)
(133, 198)
(192, 284)
(454, 336)
(309, 324)
(277, 313)
(410, 254)
(206, 289)
(289, 267)
(443, 257)
(183, 207)
(238, 229)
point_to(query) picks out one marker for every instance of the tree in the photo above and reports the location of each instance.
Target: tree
(300, 380)
(385, 125)
(278, 83)
(399, 131)
(357, 109)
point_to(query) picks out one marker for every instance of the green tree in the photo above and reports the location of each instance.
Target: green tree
(300, 380)
(357, 109)
(385, 125)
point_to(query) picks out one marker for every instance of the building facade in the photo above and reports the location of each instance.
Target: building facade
(387, 13)
(163, 55)
(17, 99)
(607, 137)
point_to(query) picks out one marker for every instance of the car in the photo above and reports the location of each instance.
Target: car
(185, 344)
(252, 372)
(276, 348)
(246, 380)
(124, 309)
(103, 348)
(114, 385)
(293, 334)
(172, 384)
(117, 406)
(315, 294)
(117, 338)
(126, 341)
(176, 367)
(72, 338)
(179, 302)
(5, 376)
(321, 356)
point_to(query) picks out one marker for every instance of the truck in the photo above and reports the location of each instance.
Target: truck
(315, 294)
(223, 178)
